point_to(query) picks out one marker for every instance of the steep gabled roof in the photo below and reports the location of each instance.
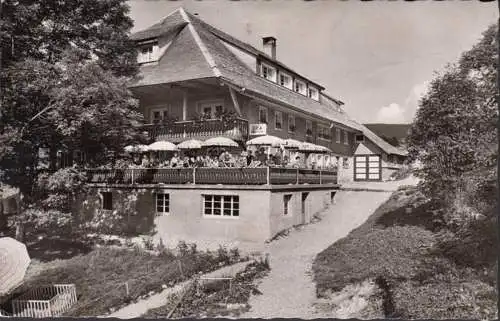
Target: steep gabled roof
(170, 24)
(385, 146)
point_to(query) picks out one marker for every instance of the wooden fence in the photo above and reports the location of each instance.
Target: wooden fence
(48, 301)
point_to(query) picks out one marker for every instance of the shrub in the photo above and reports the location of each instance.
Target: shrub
(390, 253)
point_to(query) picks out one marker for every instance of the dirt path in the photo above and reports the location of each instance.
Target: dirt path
(289, 291)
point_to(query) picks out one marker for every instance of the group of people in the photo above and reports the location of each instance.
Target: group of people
(222, 158)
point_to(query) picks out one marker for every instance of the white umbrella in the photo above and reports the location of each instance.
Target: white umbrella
(219, 141)
(323, 149)
(162, 145)
(308, 147)
(136, 148)
(292, 143)
(267, 140)
(14, 261)
(190, 144)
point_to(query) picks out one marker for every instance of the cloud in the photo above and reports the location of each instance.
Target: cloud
(403, 113)
(393, 113)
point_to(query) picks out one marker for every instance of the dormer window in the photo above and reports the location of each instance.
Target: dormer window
(148, 52)
(313, 93)
(268, 72)
(286, 80)
(300, 87)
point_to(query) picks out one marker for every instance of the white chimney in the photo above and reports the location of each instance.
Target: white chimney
(269, 44)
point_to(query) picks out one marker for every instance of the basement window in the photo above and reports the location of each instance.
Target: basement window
(162, 203)
(221, 205)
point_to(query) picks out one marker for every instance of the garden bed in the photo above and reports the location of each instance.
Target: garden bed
(223, 297)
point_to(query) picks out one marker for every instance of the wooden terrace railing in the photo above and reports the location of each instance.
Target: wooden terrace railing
(237, 129)
(208, 175)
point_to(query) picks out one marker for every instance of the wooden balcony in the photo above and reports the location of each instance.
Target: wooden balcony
(207, 176)
(175, 132)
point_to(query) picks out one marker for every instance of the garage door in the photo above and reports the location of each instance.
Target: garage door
(367, 168)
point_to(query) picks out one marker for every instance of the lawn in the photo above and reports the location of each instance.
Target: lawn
(100, 275)
(397, 248)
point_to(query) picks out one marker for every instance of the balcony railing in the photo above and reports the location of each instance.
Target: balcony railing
(236, 129)
(206, 175)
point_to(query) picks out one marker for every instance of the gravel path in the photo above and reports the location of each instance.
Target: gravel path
(289, 291)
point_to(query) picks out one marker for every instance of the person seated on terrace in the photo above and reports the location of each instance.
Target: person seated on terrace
(249, 157)
(285, 161)
(165, 163)
(295, 163)
(185, 162)
(145, 161)
(262, 157)
(174, 161)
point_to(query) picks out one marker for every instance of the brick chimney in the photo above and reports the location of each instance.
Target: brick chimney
(269, 44)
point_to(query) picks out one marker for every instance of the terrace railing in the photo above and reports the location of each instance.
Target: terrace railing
(208, 175)
(236, 129)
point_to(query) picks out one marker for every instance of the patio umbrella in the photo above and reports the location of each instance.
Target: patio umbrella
(14, 261)
(190, 144)
(136, 148)
(308, 147)
(292, 143)
(219, 142)
(323, 149)
(162, 146)
(267, 140)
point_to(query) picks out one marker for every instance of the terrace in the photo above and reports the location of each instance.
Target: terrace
(202, 175)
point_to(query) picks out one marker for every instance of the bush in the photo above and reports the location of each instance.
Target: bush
(457, 300)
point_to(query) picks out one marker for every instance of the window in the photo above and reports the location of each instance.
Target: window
(162, 203)
(323, 132)
(221, 205)
(159, 114)
(286, 203)
(107, 200)
(313, 93)
(346, 138)
(268, 72)
(147, 52)
(286, 80)
(360, 138)
(278, 120)
(211, 110)
(291, 123)
(300, 87)
(337, 135)
(263, 115)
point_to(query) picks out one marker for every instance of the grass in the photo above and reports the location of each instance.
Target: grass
(217, 298)
(100, 275)
(400, 248)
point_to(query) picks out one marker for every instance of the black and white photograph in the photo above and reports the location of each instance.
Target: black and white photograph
(164, 159)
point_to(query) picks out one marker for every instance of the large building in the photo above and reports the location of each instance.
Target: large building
(191, 73)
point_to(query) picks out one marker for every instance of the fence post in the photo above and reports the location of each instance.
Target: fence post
(320, 176)
(297, 176)
(268, 178)
(132, 174)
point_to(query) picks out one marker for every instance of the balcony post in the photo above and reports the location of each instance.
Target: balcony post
(320, 176)
(297, 176)
(132, 174)
(184, 105)
(194, 175)
(268, 176)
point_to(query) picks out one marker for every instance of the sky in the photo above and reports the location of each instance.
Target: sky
(377, 57)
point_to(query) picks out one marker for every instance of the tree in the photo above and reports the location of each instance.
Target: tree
(454, 131)
(65, 70)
